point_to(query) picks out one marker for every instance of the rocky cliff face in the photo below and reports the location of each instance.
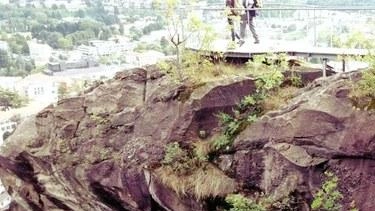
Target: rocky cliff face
(99, 151)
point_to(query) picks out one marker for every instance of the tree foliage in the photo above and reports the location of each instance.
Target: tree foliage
(47, 25)
(14, 66)
(10, 99)
(181, 24)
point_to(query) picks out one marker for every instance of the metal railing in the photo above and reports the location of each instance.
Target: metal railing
(316, 26)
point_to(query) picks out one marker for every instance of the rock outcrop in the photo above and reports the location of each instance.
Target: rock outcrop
(97, 151)
(319, 131)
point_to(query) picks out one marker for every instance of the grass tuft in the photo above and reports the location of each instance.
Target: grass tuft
(206, 181)
(279, 98)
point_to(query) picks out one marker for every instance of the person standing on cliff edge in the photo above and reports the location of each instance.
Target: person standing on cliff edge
(234, 12)
(248, 18)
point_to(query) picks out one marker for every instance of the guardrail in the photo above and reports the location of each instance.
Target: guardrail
(311, 23)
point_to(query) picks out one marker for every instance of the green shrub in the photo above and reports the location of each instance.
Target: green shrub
(174, 154)
(189, 172)
(11, 99)
(247, 101)
(328, 197)
(224, 118)
(295, 80)
(233, 128)
(181, 161)
(202, 183)
(241, 203)
(245, 113)
(202, 149)
(267, 69)
(366, 86)
(269, 80)
(230, 124)
(197, 68)
(363, 92)
(289, 203)
(221, 142)
(279, 98)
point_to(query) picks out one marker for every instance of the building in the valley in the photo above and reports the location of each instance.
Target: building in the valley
(76, 64)
(24, 3)
(98, 48)
(4, 45)
(106, 48)
(6, 128)
(39, 87)
(40, 53)
(86, 50)
(137, 3)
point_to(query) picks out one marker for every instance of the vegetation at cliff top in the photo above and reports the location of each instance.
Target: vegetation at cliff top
(187, 171)
(363, 91)
(268, 73)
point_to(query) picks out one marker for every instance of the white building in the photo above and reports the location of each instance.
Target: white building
(137, 3)
(36, 87)
(85, 50)
(39, 52)
(104, 48)
(4, 45)
(39, 87)
(6, 127)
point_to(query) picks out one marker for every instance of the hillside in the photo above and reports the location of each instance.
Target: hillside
(139, 142)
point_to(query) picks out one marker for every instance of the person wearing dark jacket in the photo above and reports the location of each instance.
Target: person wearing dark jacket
(248, 18)
(234, 12)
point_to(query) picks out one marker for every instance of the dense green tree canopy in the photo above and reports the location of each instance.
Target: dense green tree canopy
(47, 25)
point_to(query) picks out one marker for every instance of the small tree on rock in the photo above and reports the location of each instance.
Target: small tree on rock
(178, 18)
